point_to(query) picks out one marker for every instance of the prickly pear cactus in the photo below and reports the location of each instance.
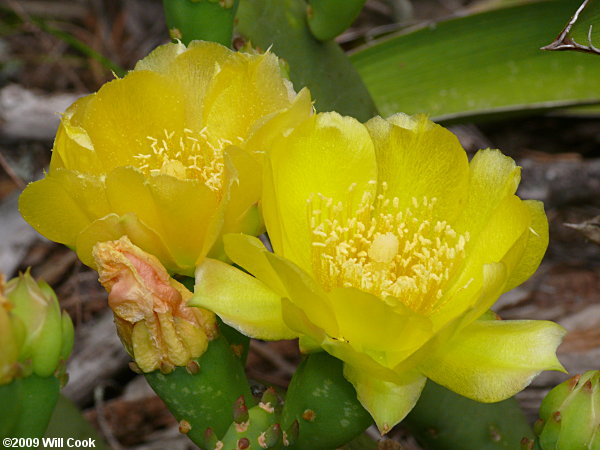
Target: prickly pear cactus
(569, 417)
(323, 404)
(200, 395)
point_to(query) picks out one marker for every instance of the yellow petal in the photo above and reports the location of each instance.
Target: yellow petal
(73, 148)
(327, 154)
(418, 158)
(387, 334)
(387, 402)
(125, 112)
(305, 294)
(240, 300)
(251, 86)
(111, 227)
(169, 205)
(245, 189)
(194, 70)
(502, 239)
(537, 242)
(278, 123)
(313, 338)
(491, 360)
(62, 204)
(249, 253)
(493, 177)
(161, 58)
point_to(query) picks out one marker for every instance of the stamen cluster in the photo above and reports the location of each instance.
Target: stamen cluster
(401, 254)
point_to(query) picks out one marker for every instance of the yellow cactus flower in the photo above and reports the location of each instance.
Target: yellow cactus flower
(169, 155)
(389, 250)
(156, 327)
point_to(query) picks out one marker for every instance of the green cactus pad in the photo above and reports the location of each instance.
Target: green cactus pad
(325, 405)
(203, 398)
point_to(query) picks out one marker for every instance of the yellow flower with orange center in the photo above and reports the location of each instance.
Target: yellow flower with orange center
(169, 155)
(389, 250)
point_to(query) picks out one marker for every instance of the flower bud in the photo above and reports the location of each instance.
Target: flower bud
(10, 339)
(156, 327)
(48, 334)
(568, 415)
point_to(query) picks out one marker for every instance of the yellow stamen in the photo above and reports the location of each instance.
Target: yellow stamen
(397, 253)
(185, 155)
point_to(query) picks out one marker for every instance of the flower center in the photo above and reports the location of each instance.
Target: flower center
(401, 254)
(185, 155)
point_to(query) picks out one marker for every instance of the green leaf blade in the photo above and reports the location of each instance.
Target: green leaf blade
(479, 66)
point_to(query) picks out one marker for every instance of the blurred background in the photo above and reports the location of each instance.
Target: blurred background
(53, 51)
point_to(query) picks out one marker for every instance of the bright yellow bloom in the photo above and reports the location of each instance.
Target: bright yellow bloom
(156, 327)
(170, 155)
(389, 250)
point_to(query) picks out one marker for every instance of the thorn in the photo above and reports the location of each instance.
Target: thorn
(243, 444)
(309, 415)
(184, 426)
(538, 426)
(527, 444)
(573, 381)
(587, 387)
(495, 433)
(237, 349)
(210, 438)
(240, 410)
(290, 436)
(135, 368)
(269, 400)
(556, 416)
(166, 367)
(270, 437)
(192, 367)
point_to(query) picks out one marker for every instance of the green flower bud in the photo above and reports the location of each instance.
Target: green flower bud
(48, 336)
(11, 338)
(569, 414)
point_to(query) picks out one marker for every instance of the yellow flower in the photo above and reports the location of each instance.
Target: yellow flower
(170, 155)
(156, 327)
(389, 250)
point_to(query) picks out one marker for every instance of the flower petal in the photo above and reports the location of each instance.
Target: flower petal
(126, 111)
(240, 85)
(249, 253)
(73, 148)
(491, 360)
(245, 190)
(277, 124)
(305, 294)
(62, 204)
(502, 239)
(493, 177)
(159, 59)
(537, 242)
(418, 158)
(388, 403)
(327, 154)
(111, 227)
(387, 334)
(240, 300)
(194, 71)
(168, 205)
